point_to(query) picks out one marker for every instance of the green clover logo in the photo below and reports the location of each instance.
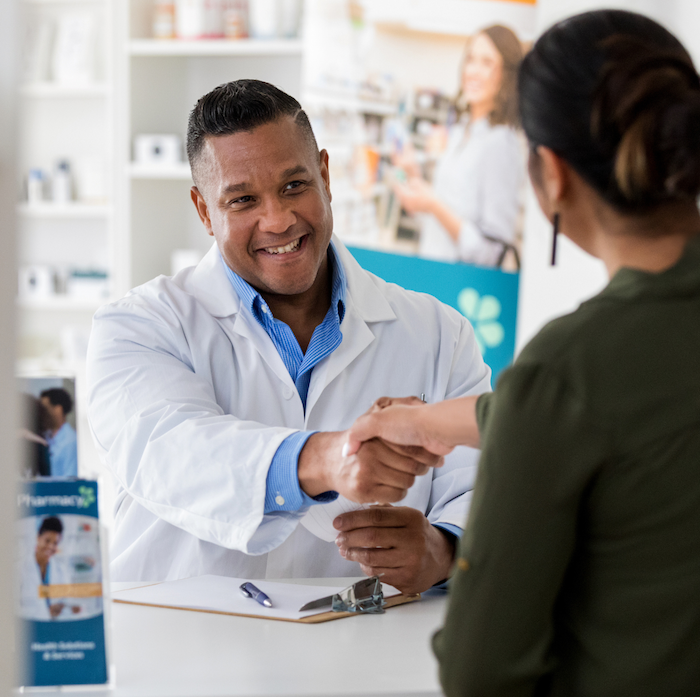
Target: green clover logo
(483, 313)
(88, 495)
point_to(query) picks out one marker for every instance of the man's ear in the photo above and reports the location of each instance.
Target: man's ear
(202, 209)
(325, 173)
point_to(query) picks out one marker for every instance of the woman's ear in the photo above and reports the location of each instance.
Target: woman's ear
(550, 178)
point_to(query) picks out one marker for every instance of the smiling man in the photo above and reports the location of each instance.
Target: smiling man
(219, 397)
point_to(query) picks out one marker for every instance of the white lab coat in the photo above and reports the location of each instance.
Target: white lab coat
(189, 401)
(28, 575)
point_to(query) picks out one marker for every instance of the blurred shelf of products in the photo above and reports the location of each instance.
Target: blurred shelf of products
(66, 193)
(108, 85)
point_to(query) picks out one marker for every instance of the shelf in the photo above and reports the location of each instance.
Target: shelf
(63, 2)
(65, 211)
(347, 194)
(180, 171)
(61, 302)
(214, 47)
(54, 89)
(348, 102)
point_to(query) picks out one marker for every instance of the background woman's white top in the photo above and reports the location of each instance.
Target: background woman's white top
(479, 176)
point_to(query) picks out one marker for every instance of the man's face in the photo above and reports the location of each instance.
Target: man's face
(55, 412)
(265, 197)
(47, 545)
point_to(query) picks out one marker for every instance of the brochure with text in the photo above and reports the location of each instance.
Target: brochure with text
(59, 584)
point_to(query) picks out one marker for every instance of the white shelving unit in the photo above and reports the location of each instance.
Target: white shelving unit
(71, 121)
(67, 211)
(179, 171)
(157, 84)
(59, 302)
(215, 47)
(58, 91)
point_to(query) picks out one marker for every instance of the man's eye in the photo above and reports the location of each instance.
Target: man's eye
(241, 199)
(294, 185)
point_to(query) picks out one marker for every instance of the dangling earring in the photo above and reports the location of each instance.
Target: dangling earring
(555, 234)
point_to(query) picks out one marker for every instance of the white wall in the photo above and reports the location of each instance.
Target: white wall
(547, 292)
(8, 462)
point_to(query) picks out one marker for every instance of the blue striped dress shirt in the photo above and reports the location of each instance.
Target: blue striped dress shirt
(283, 492)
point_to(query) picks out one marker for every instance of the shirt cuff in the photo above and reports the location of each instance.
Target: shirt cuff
(283, 492)
(454, 530)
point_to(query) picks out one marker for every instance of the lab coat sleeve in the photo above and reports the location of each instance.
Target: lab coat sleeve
(168, 443)
(501, 175)
(453, 482)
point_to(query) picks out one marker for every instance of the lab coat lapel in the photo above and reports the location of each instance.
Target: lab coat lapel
(212, 288)
(365, 304)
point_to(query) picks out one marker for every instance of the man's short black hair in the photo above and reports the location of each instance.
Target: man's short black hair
(241, 105)
(51, 524)
(57, 395)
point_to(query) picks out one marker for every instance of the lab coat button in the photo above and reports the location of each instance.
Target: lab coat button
(288, 392)
(279, 500)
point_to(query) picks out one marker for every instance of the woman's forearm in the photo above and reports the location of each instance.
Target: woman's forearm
(453, 421)
(437, 428)
(447, 218)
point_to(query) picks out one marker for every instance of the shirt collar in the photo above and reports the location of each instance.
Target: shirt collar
(252, 299)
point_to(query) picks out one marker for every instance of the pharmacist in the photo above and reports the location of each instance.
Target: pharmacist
(218, 398)
(39, 569)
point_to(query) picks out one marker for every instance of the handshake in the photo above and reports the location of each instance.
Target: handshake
(379, 457)
(376, 461)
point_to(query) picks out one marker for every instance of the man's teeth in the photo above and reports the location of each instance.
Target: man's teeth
(291, 247)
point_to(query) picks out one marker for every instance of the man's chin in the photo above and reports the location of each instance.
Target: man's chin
(287, 288)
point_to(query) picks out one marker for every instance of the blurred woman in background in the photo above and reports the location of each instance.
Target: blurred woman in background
(470, 213)
(579, 570)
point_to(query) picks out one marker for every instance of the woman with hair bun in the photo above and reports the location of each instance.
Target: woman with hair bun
(579, 570)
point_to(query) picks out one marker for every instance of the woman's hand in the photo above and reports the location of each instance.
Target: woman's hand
(416, 196)
(437, 428)
(398, 421)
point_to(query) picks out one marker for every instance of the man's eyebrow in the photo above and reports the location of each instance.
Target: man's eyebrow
(299, 169)
(244, 186)
(236, 188)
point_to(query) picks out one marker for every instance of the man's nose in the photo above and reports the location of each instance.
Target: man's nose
(276, 216)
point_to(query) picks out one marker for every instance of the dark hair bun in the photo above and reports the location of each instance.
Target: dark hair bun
(617, 96)
(648, 103)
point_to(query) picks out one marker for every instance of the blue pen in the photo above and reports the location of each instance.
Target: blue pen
(250, 591)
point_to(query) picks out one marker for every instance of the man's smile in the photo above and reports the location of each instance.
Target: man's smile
(289, 248)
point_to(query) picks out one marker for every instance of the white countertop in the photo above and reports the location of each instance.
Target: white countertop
(174, 653)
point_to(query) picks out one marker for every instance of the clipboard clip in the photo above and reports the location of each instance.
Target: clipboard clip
(364, 596)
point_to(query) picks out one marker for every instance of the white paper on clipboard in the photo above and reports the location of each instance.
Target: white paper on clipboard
(319, 519)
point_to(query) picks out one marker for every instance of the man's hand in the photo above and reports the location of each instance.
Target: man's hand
(377, 472)
(398, 542)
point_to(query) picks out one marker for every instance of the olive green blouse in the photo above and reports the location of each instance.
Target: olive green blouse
(579, 570)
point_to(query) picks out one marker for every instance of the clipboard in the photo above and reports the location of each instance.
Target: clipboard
(221, 596)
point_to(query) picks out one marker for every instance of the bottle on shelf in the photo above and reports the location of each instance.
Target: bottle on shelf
(235, 18)
(62, 183)
(199, 19)
(164, 19)
(36, 183)
(264, 18)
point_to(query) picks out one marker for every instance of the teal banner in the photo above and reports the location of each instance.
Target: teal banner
(488, 298)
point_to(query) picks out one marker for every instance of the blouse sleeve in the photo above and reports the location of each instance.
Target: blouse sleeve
(540, 451)
(500, 179)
